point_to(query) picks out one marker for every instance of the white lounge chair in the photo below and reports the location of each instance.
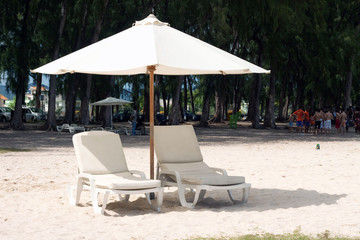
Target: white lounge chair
(181, 165)
(64, 127)
(75, 128)
(103, 169)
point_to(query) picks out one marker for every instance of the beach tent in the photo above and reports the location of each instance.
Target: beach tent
(150, 47)
(111, 101)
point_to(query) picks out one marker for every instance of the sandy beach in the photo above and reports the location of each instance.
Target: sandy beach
(294, 188)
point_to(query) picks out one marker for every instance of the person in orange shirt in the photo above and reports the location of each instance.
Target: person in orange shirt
(306, 121)
(300, 115)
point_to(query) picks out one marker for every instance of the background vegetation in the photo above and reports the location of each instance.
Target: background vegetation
(312, 48)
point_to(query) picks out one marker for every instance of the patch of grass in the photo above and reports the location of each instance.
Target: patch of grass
(6, 150)
(295, 236)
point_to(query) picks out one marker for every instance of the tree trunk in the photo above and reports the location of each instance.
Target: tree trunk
(51, 119)
(256, 102)
(255, 91)
(146, 109)
(38, 90)
(70, 97)
(234, 97)
(85, 101)
(270, 104)
(348, 84)
(135, 94)
(191, 95)
(282, 99)
(73, 81)
(290, 93)
(239, 94)
(220, 98)
(175, 110)
(157, 97)
(285, 108)
(22, 72)
(109, 109)
(206, 105)
(185, 94)
(300, 91)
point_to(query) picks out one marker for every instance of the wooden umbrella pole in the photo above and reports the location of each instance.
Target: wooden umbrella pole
(151, 70)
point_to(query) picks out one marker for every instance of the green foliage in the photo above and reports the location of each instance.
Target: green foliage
(309, 45)
(294, 236)
(7, 150)
(12, 103)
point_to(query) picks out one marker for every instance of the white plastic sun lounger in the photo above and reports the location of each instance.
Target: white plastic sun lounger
(181, 165)
(103, 169)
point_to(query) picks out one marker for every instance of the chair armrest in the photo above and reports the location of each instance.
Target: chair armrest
(140, 173)
(90, 178)
(220, 170)
(71, 129)
(173, 173)
(85, 176)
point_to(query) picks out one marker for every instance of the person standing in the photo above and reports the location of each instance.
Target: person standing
(133, 119)
(356, 119)
(327, 121)
(300, 115)
(307, 121)
(291, 122)
(343, 118)
(322, 120)
(317, 118)
(349, 121)
(337, 122)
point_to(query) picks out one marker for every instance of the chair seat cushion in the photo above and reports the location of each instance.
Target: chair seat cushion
(199, 173)
(213, 179)
(124, 181)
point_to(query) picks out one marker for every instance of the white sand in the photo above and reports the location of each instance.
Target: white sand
(294, 187)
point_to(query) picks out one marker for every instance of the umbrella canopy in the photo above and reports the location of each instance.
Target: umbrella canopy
(150, 42)
(110, 101)
(150, 47)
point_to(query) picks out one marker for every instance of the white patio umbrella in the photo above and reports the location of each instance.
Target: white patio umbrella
(150, 47)
(111, 101)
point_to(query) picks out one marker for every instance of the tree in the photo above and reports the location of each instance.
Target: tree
(51, 119)
(175, 110)
(95, 37)
(18, 23)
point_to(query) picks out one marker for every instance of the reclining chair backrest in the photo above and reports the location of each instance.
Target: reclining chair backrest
(99, 152)
(176, 144)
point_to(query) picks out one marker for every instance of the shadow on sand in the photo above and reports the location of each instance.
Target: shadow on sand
(259, 200)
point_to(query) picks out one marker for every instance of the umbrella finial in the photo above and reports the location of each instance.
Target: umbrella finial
(150, 20)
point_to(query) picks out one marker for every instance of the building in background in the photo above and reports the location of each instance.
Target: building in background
(2, 100)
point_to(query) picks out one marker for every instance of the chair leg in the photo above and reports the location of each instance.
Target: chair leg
(159, 200)
(105, 200)
(183, 201)
(244, 198)
(79, 189)
(232, 198)
(94, 199)
(202, 194)
(245, 195)
(75, 200)
(124, 198)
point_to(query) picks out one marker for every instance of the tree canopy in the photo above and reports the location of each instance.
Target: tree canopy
(311, 47)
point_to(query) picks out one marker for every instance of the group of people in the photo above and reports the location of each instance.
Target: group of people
(320, 121)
